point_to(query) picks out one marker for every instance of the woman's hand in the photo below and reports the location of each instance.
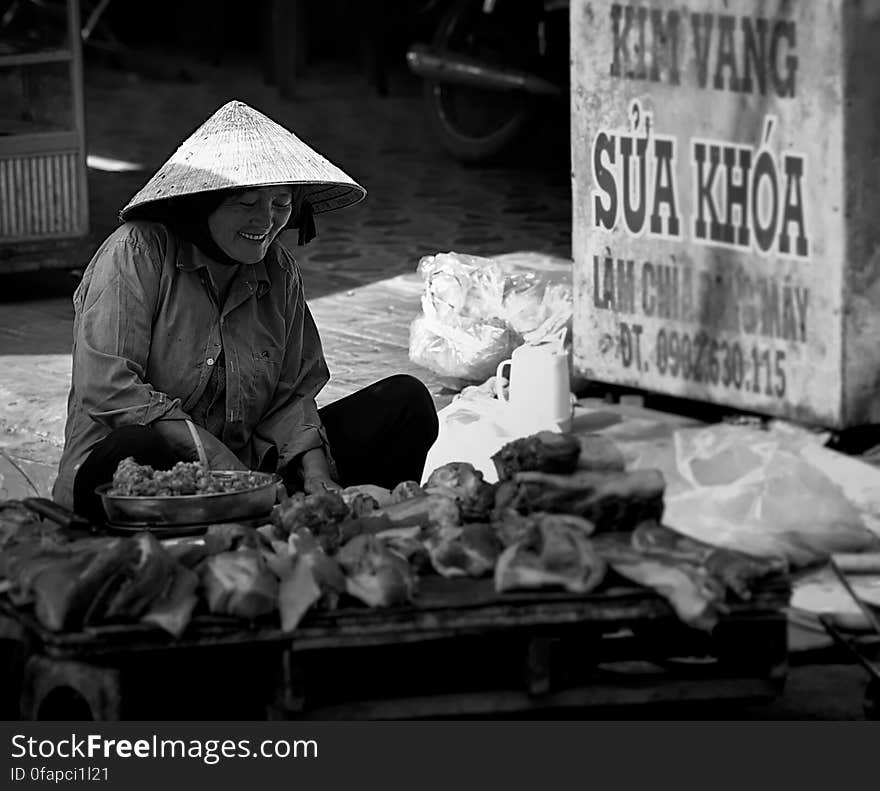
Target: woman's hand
(176, 434)
(317, 484)
(316, 473)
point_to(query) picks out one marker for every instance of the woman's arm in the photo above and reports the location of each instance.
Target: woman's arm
(112, 345)
(176, 434)
(113, 331)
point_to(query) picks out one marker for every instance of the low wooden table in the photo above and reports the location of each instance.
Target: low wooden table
(460, 650)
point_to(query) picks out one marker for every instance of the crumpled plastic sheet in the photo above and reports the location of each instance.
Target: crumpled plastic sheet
(769, 493)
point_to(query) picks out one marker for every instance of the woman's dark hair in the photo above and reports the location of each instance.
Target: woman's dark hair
(188, 216)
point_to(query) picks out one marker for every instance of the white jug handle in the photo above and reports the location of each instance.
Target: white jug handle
(499, 389)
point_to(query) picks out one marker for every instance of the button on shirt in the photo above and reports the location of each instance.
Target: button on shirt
(148, 335)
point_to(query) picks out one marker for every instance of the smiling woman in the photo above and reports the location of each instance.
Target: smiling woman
(193, 310)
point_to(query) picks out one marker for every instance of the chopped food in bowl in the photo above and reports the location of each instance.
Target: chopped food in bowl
(184, 478)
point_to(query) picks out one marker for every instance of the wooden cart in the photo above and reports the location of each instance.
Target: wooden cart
(43, 189)
(461, 650)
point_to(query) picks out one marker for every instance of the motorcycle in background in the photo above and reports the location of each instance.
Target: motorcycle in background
(490, 69)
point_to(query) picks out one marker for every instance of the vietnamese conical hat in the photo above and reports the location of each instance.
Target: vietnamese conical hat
(239, 147)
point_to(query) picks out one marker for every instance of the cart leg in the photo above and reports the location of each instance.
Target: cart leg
(290, 697)
(62, 690)
(14, 650)
(537, 665)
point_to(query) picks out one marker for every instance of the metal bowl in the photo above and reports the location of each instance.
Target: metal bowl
(192, 509)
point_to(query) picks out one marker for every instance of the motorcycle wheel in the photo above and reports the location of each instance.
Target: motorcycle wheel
(473, 124)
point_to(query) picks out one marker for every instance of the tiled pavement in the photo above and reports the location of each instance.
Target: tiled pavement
(360, 271)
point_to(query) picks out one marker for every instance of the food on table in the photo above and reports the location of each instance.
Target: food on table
(463, 483)
(359, 503)
(736, 572)
(298, 591)
(374, 574)
(406, 490)
(550, 554)
(139, 583)
(600, 454)
(18, 523)
(232, 535)
(687, 587)
(471, 550)
(412, 550)
(321, 513)
(611, 501)
(184, 478)
(512, 526)
(545, 451)
(431, 512)
(381, 495)
(325, 569)
(173, 609)
(239, 583)
(66, 583)
(695, 578)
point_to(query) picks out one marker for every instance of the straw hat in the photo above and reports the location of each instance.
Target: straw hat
(238, 147)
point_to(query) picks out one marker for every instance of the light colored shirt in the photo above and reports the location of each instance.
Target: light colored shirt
(147, 334)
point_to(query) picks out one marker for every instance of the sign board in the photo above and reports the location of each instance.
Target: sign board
(726, 189)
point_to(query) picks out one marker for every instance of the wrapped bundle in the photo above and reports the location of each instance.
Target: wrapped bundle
(545, 451)
(550, 554)
(463, 483)
(239, 583)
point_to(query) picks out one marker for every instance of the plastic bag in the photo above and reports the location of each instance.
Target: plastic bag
(768, 493)
(476, 311)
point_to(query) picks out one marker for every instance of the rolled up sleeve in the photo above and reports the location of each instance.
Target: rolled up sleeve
(113, 340)
(291, 423)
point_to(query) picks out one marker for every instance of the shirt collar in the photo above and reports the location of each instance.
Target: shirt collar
(190, 258)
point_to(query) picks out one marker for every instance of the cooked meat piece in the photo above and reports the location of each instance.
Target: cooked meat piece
(19, 524)
(463, 483)
(13, 517)
(512, 526)
(406, 490)
(359, 504)
(65, 588)
(611, 501)
(321, 513)
(412, 550)
(735, 572)
(471, 550)
(230, 536)
(143, 581)
(545, 451)
(375, 522)
(600, 454)
(239, 583)
(550, 554)
(374, 574)
(173, 610)
(381, 495)
(430, 513)
(695, 578)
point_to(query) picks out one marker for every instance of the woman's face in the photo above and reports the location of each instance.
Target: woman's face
(246, 223)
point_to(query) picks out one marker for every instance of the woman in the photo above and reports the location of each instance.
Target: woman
(193, 310)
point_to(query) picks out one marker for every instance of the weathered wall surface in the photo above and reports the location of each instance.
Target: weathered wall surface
(724, 170)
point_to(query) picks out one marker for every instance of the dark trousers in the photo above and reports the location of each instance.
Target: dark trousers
(379, 435)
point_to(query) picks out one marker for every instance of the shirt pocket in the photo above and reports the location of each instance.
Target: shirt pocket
(266, 372)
